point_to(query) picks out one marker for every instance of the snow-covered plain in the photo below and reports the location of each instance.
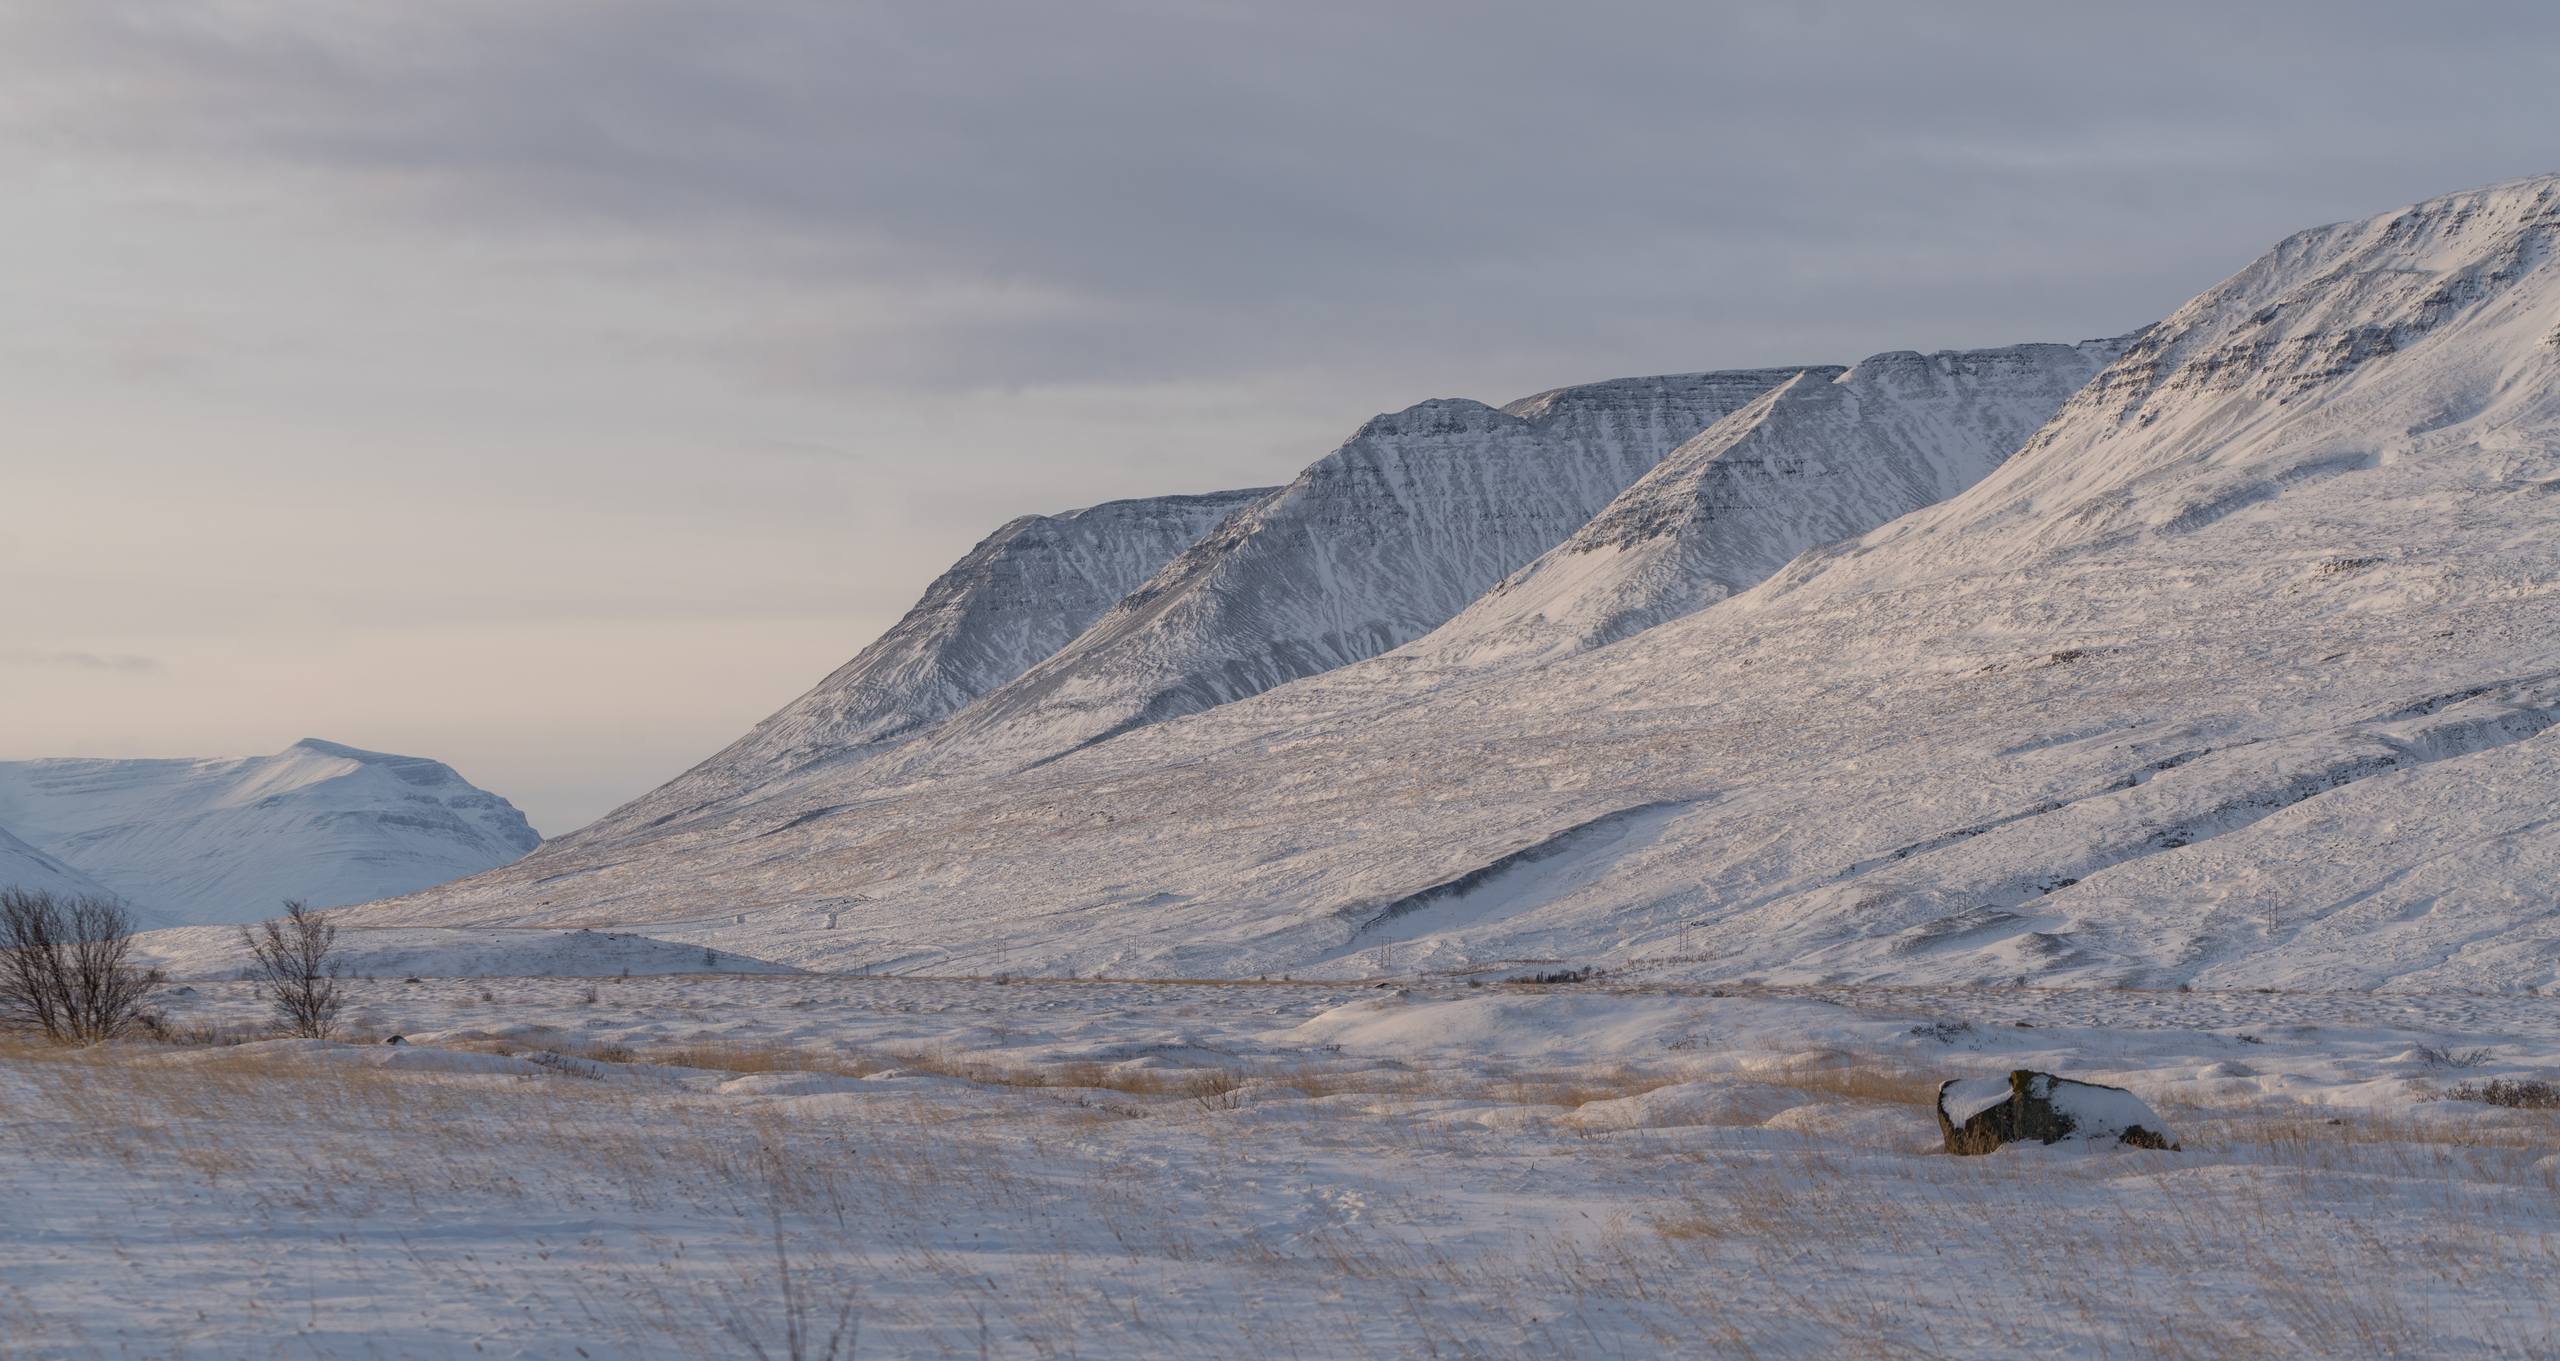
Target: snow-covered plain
(697, 1164)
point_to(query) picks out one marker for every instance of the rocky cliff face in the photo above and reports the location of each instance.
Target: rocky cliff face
(1825, 456)
(228, 839)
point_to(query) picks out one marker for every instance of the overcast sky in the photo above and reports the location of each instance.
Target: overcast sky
(555, 388)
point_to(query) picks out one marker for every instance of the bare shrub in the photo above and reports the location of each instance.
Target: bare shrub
(291, 962)
(1216, 1089)
(800, 1341)
(1552, 977)
(1872, 1085)
(2514, 1093)
(66, 967)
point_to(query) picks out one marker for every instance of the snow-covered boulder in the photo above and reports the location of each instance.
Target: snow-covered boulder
(1977, 1115)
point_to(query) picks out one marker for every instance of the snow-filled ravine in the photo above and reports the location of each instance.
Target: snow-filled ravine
(704, 1163)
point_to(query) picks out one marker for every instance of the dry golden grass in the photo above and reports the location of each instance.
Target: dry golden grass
(1312, 1081)
(1210, 1086)
(733, 1057)
(1854, 1082)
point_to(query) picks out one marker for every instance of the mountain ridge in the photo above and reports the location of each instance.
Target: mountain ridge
(2238, 673)
(1826, 455)
(1385, 538)
(1014, 598)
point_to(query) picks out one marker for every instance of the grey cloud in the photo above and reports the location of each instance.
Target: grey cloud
(1211, 189)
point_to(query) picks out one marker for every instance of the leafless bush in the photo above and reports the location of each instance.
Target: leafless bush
(567, 1065)
(291, 962)
(2435, 1057)
(2515, 1093)
(1217, 1089)
(1551, 977)
(66, 966)
(800, 1316)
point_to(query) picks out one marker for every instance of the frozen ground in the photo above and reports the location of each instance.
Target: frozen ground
(700, 1164)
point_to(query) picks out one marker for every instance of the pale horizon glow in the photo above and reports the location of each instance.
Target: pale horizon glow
(556, 390)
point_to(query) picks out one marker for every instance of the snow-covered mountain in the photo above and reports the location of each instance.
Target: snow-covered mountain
(1825, 456)
(1017, 597)
(2243, 670)
(224, 840)
(23, 866)
(1375, 544)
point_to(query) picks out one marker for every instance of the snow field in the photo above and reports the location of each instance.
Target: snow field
(695, 1165)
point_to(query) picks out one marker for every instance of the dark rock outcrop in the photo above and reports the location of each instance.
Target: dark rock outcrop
(1977, 1115)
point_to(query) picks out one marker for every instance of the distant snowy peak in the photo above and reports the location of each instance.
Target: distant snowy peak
(1827, 455)
(2274, 379)
(1373, 545)
(227, 839)
(1021, 594)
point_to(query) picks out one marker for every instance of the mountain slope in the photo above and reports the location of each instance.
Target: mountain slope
(2426, 334)
(1017, 597)
(23, 866)
(2243, 671)
(1825, 456)
(1375, 544)
(227, 839)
